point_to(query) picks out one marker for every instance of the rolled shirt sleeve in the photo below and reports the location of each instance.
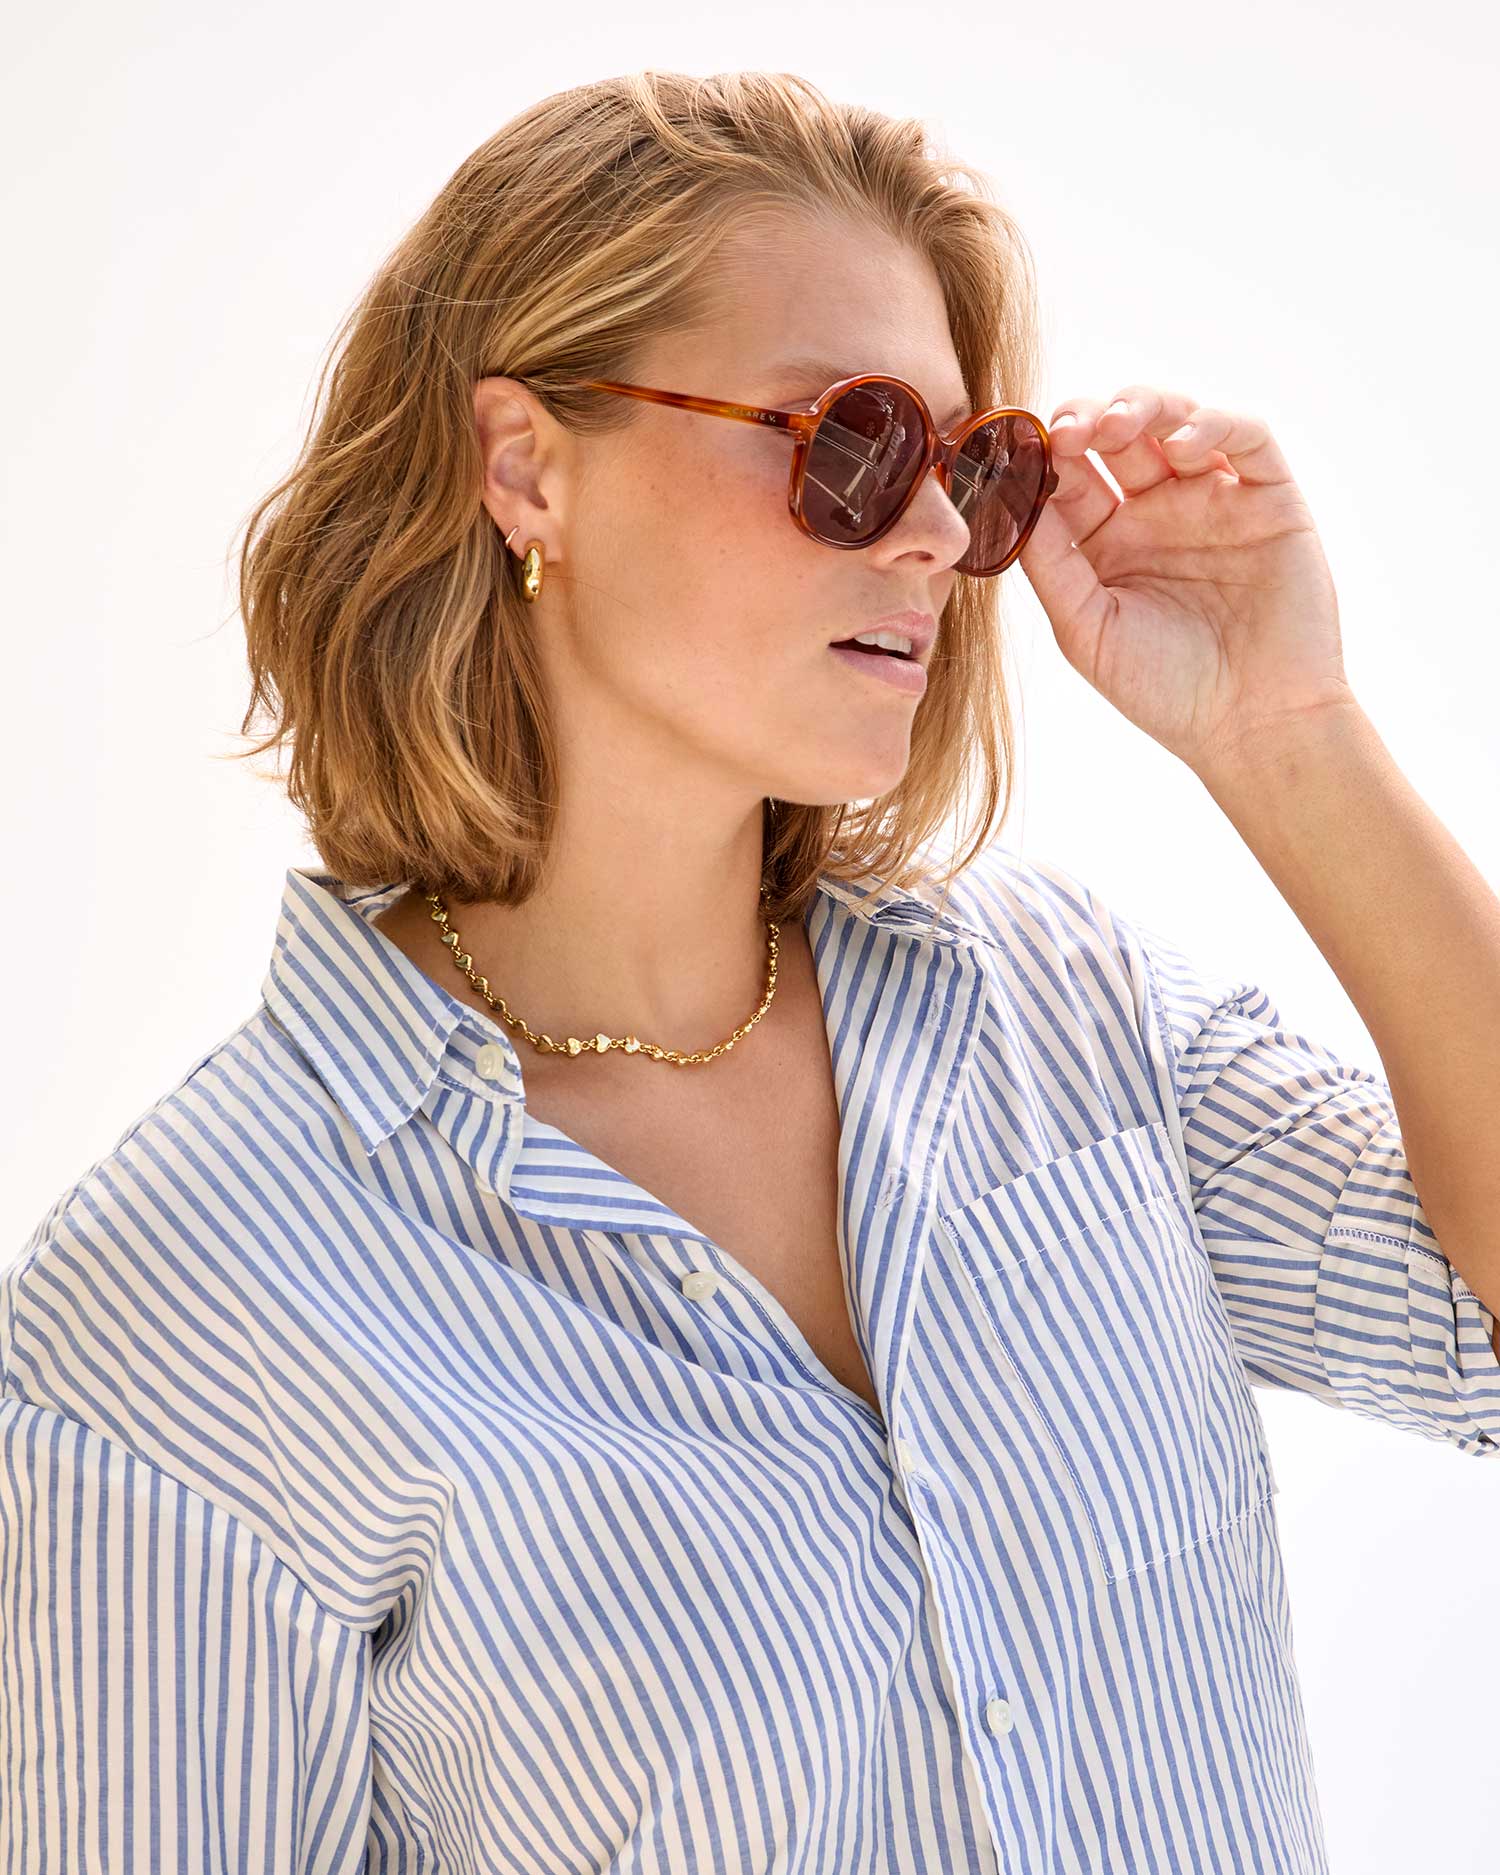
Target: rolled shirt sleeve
(1332, 1278)
(172, 1697)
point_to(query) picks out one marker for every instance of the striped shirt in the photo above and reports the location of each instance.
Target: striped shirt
(387, 1483)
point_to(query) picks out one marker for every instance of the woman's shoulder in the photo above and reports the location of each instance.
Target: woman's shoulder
(247, 1090)
(188, 1297)
(165, 1252)
(1017, 902)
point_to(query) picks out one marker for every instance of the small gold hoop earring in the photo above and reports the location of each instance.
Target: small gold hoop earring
(531, 568)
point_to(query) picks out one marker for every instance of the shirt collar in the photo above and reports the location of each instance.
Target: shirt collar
(376, 1029)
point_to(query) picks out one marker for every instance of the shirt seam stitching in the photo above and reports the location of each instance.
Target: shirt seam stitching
(12, 1391)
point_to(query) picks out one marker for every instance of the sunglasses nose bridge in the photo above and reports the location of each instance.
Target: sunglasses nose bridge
(942, 460)
(944, 457)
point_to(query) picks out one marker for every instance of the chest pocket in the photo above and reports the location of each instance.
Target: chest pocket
(1101, 1297)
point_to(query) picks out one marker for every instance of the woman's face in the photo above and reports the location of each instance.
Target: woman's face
(685, 621)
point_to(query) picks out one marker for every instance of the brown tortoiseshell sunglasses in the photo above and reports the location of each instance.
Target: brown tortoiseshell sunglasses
(861, 451)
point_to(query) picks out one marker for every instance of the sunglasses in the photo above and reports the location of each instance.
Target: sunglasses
(861, 451)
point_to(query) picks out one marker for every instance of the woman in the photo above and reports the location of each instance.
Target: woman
(666, 1342)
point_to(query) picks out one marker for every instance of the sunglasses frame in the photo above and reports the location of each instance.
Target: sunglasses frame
(940, 451)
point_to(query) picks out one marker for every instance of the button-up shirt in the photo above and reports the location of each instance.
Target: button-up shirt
(389, 1483)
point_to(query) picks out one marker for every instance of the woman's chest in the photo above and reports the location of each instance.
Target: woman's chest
(755, 1168)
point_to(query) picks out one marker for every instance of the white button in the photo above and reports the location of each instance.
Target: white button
(699, 1283)
(907, 1456)
(490, 1061)
(998, 1715)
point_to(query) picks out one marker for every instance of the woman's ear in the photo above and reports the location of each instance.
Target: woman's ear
(520, 444)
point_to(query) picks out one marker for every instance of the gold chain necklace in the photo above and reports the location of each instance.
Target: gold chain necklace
(599, 1043)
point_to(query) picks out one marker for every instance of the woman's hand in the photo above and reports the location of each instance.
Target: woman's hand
(1200, 604)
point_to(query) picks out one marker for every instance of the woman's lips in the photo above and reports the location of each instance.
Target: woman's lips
(901, 673)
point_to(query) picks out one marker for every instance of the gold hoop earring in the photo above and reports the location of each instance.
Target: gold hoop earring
(531, 568)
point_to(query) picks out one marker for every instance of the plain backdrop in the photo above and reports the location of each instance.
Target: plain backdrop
(1289, 210)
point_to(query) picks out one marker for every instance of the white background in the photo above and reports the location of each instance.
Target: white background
(1289, 210)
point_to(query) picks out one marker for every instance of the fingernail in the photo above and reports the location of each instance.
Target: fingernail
(1068, 416)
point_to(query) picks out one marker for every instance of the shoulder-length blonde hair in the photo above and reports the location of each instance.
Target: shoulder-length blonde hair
(387, 636)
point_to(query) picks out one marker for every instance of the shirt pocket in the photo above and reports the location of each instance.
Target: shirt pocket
(1102, 1300)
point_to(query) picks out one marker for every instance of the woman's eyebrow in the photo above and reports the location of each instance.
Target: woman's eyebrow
(793, 374)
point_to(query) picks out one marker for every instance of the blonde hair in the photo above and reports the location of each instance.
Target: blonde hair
(387, 636)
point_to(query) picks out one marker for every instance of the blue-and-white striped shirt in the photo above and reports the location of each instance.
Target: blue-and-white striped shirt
(388, 1483)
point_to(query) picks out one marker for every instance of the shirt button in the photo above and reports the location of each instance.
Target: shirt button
(998, 1715)
(699, 1283)
(490, 1061)
(907, 1456)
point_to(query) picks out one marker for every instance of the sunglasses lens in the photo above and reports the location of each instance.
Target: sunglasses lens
(862, 461)
(867, 451)
(996, 481)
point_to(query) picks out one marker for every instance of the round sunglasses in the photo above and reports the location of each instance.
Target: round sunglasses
(860, 453)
